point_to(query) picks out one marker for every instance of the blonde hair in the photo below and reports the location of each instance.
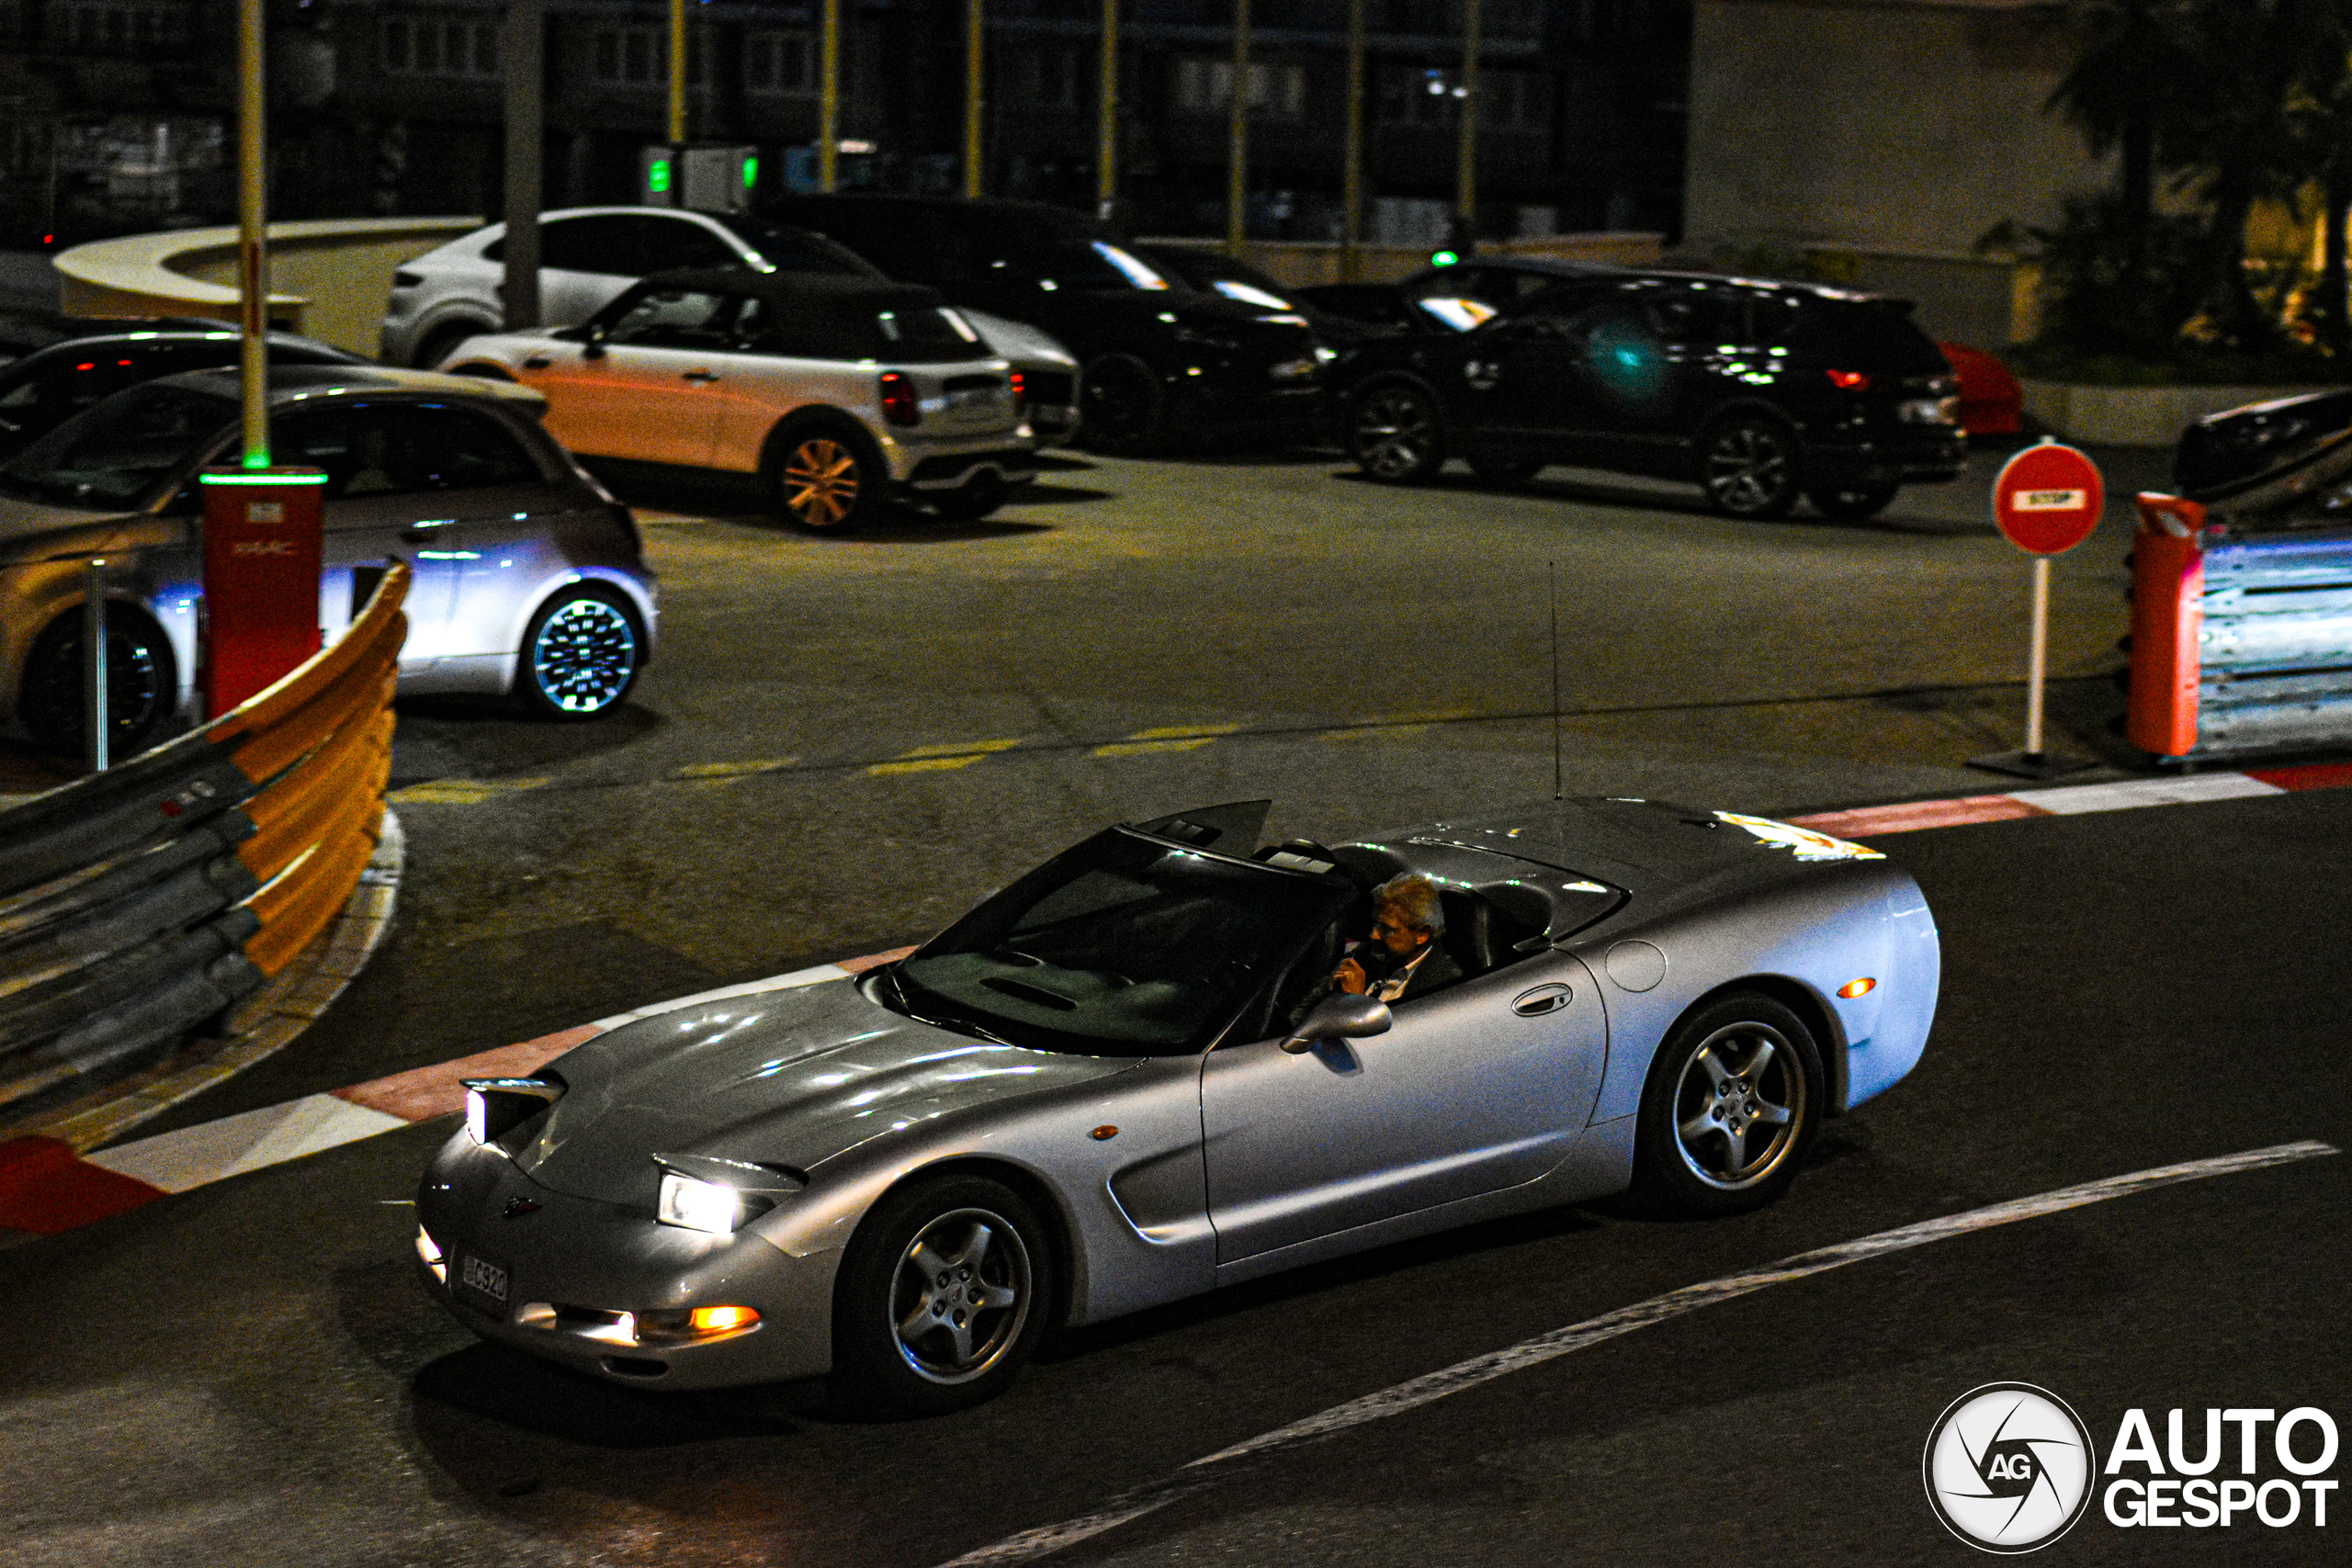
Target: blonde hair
(1413, 898)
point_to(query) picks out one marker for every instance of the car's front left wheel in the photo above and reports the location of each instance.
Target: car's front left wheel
(1749, 466)
(1731, 1102)
(944, 1293)
(580, 654)
(1396, 433)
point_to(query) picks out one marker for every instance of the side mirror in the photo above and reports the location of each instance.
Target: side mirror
(592, 345)
(1340, 1017)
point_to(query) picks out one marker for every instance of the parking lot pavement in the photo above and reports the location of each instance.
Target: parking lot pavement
(250, 1374)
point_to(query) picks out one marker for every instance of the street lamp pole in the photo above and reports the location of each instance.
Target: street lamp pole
(1237, 176)
(1106, 145)
(975, 79)
(253, 261)
(1465, 178)
(518, 289)
(677, 90)
(828, 97)
(1351, 170)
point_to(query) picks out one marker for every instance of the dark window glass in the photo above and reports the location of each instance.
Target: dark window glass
(797, 249)
(674, 317)
(115, 453)
(1697, 315)
(607, 245)
(403, 449)
(666, 242)
(1121, 947)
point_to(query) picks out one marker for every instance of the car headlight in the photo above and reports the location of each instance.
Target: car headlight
(710, 1207)
(495, 1107)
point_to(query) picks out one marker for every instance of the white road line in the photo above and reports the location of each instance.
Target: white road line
(175, 1162)
(1030, 1545)
(2127, 793)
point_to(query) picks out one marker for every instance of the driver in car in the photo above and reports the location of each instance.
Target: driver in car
(1403, 957)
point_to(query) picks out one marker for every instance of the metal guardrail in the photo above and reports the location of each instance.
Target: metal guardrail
(139, 903)
(2240, 641)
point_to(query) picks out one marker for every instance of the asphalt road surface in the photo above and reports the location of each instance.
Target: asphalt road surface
(249, 1374)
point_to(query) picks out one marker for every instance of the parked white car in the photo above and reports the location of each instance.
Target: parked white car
(841, 392)
(589, 254)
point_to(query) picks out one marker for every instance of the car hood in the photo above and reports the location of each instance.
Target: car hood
(1018, 341)
(784, 1078)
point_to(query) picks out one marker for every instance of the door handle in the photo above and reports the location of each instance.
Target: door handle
(537, 362)
(699, 375)
(1541, 1001)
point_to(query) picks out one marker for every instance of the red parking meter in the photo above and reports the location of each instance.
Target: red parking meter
(262, 550)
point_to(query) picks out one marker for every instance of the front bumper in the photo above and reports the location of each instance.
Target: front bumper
(578, 1272)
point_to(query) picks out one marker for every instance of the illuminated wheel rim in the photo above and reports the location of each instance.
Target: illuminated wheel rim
(1738, 1106)
(1393, 435)
(960, 1295)
(584, 654)
(1750, 469)
(821, 479)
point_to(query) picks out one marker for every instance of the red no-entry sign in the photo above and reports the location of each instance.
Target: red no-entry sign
(2048, 499)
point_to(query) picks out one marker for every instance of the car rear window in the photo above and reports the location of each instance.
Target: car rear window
(1874, 334)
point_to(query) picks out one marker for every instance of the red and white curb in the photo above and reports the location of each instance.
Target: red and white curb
(46, 1188)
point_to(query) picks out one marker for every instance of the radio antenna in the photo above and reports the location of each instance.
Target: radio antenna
(1552, 579)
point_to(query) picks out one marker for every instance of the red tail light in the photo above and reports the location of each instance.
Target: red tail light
(1019, 392)
(901, 404)
(1850, 381)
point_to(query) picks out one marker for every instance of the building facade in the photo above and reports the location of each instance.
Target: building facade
(117, 114)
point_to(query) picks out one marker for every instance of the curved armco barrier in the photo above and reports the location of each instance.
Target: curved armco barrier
(136, 904)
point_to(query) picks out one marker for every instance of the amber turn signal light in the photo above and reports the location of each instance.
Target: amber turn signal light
(1853, 988)
(722, 1320)
(1105, 1132)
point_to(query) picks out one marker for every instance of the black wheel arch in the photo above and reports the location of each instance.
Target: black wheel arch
(175, 697)
(815, 417)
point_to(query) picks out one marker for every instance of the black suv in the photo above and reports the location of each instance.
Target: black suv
(1758, 392)
(1157, 359)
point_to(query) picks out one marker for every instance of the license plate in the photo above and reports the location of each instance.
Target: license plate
(971, 397)
(479, 1282)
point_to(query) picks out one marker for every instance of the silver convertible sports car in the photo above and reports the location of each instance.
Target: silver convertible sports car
(1126, 1079)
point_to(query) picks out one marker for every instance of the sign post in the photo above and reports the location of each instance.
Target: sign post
(2047, 500)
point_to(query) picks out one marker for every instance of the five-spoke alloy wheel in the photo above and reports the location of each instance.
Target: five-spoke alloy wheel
(826, 473)
(581, 654)
(1748, 466)
(1396, 434)
(1732, 1100)
(943, 1295)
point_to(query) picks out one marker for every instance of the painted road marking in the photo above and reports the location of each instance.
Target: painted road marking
(941, 757)
(735, 770)
(192, 1157)
(1210, 1469)
(1167, 738)
(462, 791)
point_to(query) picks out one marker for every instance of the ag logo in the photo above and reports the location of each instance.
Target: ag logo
(2008, 1467)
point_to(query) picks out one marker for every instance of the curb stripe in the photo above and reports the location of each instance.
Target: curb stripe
(2120, 794)
(1030, 1545)
(194, 1156)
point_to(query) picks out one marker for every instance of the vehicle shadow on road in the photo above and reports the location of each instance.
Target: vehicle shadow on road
(490, 1383)
(1588, 488)
(479, 736)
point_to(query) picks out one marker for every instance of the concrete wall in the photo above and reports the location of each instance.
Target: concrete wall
(1897, 130)
(329, 279)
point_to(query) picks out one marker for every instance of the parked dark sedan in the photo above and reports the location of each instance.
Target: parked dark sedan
(50, 386)
(1156, 360)
(1758, 392)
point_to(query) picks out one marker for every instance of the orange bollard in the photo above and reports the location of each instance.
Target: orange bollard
(2167, 612)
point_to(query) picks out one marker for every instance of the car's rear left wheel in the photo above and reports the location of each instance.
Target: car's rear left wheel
(1748, 466)
(1731, 1102)
(944, 1293)
(828, 476)
(143, 684)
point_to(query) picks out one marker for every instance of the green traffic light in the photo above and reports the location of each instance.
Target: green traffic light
(1443, 258)
(750, 172)
(657, 175)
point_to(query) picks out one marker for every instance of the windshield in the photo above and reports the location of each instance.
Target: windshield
(116, 453)
(1124, 946)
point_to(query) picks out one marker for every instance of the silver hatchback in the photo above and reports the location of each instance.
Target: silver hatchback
(529, 578)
